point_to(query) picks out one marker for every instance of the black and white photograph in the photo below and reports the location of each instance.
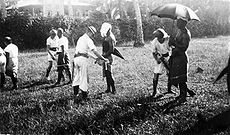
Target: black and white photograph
(115, 67)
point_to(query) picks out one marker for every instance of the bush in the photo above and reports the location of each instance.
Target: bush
(31, 33)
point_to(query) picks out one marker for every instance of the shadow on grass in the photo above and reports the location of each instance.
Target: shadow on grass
(34, 83)
(213, 125)
(112, 118)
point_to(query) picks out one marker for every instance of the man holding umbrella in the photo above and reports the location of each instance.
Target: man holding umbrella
(179, 60)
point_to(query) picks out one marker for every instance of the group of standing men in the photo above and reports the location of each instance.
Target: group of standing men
(57, 48)
(8, 62)
(169, 52)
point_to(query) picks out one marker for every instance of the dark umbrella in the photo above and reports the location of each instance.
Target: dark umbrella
(174, 11)
(117, 53)
(222, 73)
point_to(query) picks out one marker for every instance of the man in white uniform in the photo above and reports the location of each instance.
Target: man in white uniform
(160, 50)
(2, 67)
(85, 45)
(11, 60)
(52, 47)
(63, 57)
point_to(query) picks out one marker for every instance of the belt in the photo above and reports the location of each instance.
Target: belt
(53, 49)
(81, 54)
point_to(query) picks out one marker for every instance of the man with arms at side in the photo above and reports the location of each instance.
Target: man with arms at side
(63, 57)
(11, 51)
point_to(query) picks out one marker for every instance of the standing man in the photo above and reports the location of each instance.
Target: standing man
(11, 51)
(107, 49)
(179, 61)
(63, 57)
(84, 45)
(2, 67)
(52, 46)
(160, 50)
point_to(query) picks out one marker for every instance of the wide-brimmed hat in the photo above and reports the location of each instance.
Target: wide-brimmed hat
(92, 29)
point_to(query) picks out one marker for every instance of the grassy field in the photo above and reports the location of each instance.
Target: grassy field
(38, 108)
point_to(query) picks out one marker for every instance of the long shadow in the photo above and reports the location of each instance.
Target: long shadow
(33, 83)
(110, 119)
(213, 125)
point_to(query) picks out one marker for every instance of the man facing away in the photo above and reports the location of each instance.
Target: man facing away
(84, 46)
(2, 67)
(11, 51)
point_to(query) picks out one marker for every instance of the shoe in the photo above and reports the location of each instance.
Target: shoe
(113, 92)
(1, 86)
(84, 96)
(181, 99)
(191, 93)
(15, 87)
(107, 91)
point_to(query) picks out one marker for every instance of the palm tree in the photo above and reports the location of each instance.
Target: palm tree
(139, 37)
(2, 9)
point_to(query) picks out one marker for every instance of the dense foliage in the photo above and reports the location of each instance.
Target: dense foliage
(31, 32)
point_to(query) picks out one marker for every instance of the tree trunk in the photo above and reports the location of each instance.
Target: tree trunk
(70, 9)
(2, 9)
(139, 41)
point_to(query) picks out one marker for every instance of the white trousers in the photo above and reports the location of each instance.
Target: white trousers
(2, 64)
(81, 73)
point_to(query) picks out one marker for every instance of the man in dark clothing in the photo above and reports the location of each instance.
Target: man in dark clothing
(107, 50)
(179, 60)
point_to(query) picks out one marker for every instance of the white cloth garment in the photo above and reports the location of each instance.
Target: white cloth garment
(84, 45)
(53, 43)
(163, 48)
(13, 58)
(2, 61)
(104, 29)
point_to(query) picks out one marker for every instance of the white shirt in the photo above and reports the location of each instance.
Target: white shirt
(53, 43)
(228, 48)
(2, 53)
(63, 41)
(84, 44)
(163, 48)
(12, 49)
(2, 57)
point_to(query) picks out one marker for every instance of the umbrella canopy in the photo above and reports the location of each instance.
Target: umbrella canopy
(117, 53)
(174, 11)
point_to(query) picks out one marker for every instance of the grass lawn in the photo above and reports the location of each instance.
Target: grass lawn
(38, 108)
